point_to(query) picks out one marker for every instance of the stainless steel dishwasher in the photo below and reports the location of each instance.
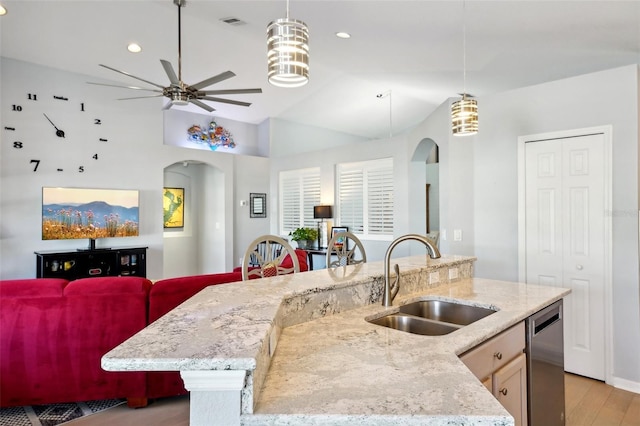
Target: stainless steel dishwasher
(545, 367)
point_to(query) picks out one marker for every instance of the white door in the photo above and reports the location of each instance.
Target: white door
(565, 239)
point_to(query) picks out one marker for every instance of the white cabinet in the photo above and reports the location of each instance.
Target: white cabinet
(501, 366)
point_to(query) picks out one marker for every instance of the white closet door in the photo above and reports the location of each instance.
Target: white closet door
(565, 229)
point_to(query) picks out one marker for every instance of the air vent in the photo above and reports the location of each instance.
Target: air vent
(233, 21)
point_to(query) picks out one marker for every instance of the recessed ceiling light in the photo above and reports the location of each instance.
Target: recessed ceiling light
(342, 34)
(3, 11)
(134, 48)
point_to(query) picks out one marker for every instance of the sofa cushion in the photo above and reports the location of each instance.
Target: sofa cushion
(107, 285)
(33, 287)
(302, 260)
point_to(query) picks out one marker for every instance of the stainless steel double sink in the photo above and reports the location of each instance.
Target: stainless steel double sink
(432, 317)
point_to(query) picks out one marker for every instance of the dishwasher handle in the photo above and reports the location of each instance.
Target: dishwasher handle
(546, 318)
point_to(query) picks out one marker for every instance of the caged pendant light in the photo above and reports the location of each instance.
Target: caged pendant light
(288, 52)
(464, 112)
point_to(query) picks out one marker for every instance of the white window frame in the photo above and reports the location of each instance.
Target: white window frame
(382, 190)
(307, 183)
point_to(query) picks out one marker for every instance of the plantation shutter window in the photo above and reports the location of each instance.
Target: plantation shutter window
(299, 192)
(365, 197)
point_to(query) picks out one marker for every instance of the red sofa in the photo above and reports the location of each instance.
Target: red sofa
(53, 334)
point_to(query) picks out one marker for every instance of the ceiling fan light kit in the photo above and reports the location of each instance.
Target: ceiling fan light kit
(288, 52)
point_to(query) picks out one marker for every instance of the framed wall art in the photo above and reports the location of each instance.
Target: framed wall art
(173, 207)
(257, 205)
(335, 230)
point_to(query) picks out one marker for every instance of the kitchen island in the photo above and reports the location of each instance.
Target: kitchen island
(296, 349)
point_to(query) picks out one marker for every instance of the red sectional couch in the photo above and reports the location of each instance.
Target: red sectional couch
(53, 334)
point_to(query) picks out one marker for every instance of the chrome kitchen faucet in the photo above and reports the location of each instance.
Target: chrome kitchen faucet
(391, 290)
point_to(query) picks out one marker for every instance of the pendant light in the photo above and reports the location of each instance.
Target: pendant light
(288, 52)
(464, 112)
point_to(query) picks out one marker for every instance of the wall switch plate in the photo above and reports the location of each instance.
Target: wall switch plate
(434, 277)
(443, 235)
(457, 235)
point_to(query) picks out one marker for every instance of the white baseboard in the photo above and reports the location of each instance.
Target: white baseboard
(625, 384)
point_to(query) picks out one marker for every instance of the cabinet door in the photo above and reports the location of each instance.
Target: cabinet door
(495, 353)
(510, 388)
(131, 262)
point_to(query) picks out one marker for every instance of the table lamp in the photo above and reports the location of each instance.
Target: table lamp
(322, 213)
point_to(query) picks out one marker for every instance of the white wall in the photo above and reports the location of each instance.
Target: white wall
(249, 177)
(479, 181)
(288, 138)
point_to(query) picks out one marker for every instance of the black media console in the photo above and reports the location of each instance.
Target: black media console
(72, 265)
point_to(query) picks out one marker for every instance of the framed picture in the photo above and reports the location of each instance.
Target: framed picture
(337, 229)
(257, 205)
(173, 207)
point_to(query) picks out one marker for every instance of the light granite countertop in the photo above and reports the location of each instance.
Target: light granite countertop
(311, 358)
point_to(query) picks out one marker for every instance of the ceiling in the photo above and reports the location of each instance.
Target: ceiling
(414, 49)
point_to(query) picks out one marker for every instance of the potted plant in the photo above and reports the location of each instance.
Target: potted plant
(304, 236)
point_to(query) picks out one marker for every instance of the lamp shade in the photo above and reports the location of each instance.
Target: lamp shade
(288, 52)
(322, 212)
(464, 116)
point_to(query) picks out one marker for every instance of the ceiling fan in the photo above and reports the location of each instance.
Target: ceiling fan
(180, 93)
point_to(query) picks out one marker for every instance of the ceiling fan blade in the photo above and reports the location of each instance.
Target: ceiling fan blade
(202, 105)
(124, 87)
(230, 91)
(132, 76)
(225, 101)
(168, 68)
(140, 97)
(212, 80)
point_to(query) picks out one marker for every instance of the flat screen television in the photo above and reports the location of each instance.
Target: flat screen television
(89, 213)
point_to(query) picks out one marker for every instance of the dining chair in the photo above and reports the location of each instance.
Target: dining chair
(264, 258)
(343, 249)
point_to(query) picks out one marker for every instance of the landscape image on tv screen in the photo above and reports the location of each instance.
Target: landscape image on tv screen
(73, 213)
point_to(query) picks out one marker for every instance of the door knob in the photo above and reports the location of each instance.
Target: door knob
(579, 267)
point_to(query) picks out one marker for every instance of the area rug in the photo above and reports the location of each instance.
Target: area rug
(53, 414)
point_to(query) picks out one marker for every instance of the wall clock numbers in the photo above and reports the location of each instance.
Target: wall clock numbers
(57, 109)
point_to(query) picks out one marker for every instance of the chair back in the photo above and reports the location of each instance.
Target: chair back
(343, 249)
(264, 258)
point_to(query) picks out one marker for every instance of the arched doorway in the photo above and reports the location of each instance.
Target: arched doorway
(190, 249)
(426, 168)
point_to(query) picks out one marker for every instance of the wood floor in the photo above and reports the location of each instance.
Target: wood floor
(588, 402)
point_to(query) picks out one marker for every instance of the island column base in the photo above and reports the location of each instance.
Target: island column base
(215, 396)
